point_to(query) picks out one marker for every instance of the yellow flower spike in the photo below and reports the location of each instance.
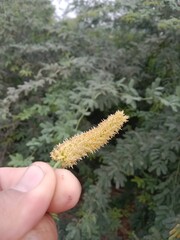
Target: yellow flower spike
(175, 233)
(79, 146)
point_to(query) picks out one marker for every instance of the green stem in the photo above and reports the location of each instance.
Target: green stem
(81, 117)
(79, 121)
(57, 165)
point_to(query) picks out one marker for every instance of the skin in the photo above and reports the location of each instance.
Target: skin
(24, 215)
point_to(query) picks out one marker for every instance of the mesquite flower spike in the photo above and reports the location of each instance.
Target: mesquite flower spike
(79, 146)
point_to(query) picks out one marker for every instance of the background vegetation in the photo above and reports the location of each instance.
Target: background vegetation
(60, 76)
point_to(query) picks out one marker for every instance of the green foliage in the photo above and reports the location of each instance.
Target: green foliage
(17, 160)
(59, 77)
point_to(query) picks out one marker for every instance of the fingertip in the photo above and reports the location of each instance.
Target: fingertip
(67, 191)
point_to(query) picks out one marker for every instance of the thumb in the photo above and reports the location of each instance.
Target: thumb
(23, 205)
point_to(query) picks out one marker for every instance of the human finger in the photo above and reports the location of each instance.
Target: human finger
(67, 191)
(44, 230)
(25, 203)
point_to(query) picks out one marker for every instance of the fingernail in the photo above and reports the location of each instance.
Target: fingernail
(30, 180)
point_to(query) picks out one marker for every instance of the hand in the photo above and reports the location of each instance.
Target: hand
(27, 195)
